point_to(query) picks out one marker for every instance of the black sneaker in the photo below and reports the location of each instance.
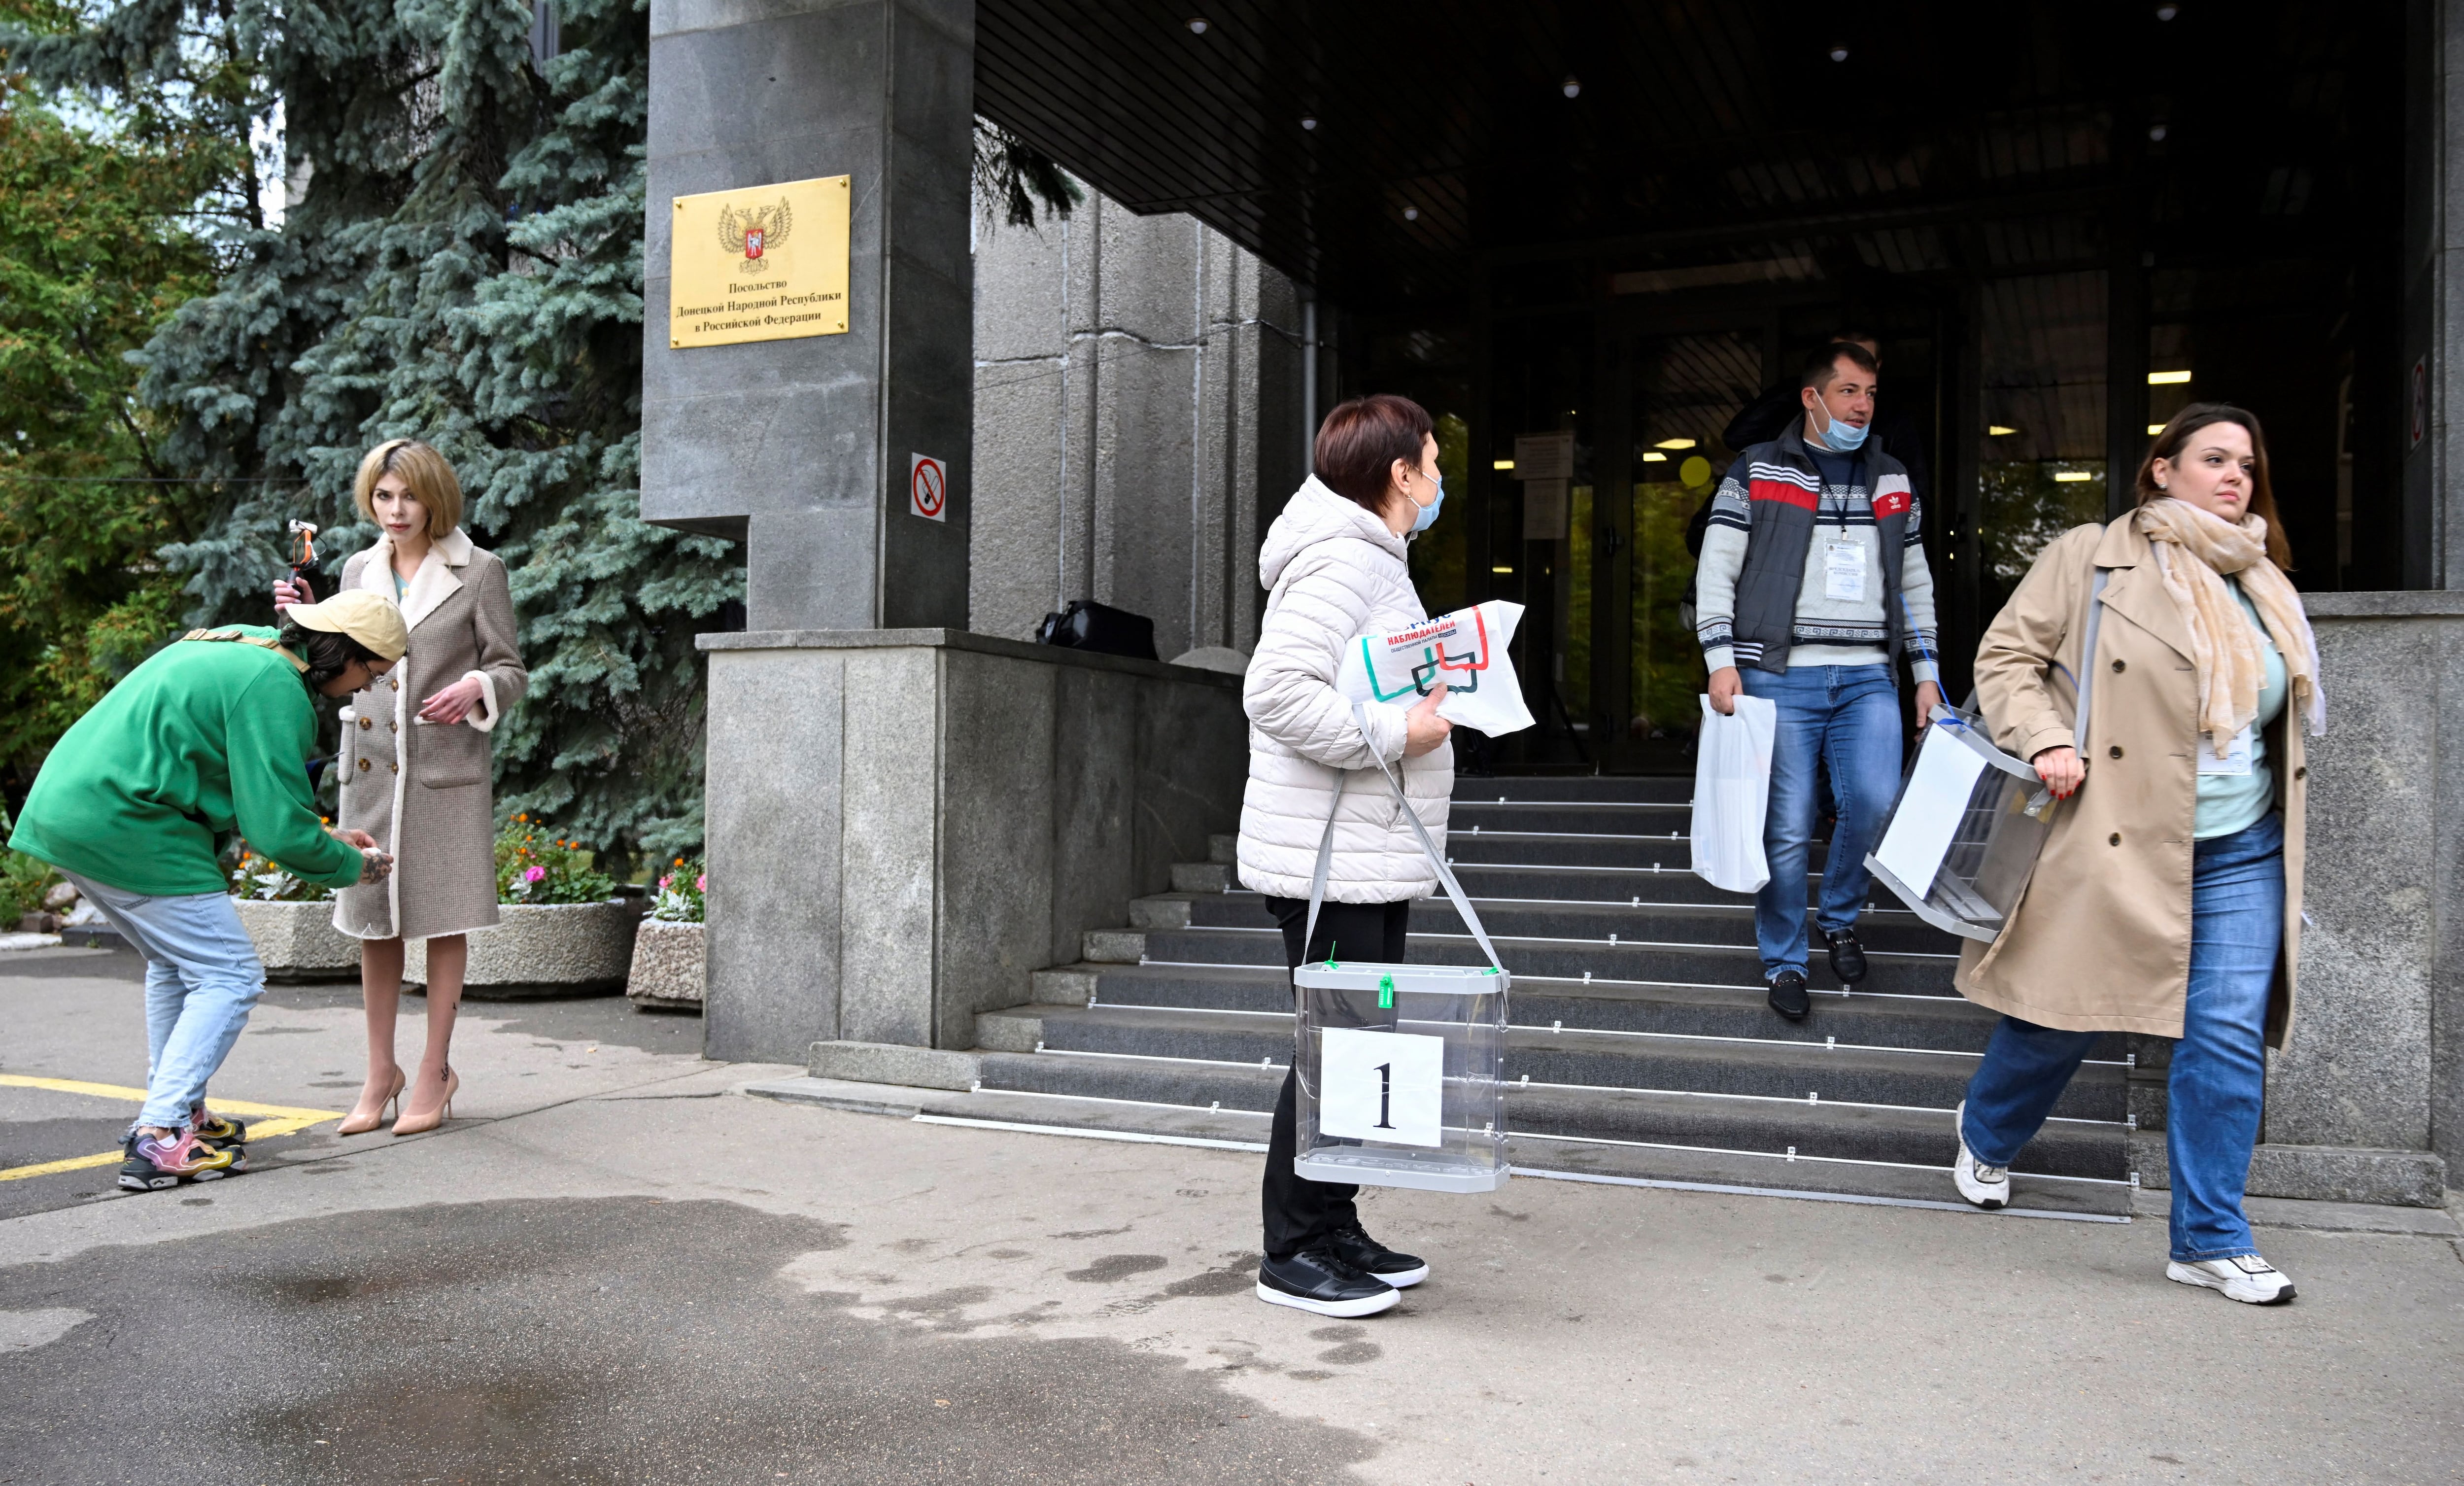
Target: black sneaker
(1847, 956)
(1787, 995)
(1354, 1247)
(1324, 1284)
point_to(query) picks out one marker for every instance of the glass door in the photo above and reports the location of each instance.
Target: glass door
(1677, 393)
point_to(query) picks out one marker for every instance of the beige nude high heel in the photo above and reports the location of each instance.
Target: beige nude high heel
(453, 1085)
(392, 1102)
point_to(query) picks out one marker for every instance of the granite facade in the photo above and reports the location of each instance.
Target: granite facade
(904, 825)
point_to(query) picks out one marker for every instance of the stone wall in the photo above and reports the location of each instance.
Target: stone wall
(1137, 418)
(2377, 1058)
(904, 824)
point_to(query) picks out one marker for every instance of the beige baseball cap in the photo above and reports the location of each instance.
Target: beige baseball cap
(368, 618)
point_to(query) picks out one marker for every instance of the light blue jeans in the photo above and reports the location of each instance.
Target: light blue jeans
(202, 979)
(2218, 1081)
(1848, 717)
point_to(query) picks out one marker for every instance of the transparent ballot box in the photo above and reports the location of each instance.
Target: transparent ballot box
(1400, 1075)
(1964, 834)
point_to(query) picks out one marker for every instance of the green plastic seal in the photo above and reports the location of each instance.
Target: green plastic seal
(1385, 993)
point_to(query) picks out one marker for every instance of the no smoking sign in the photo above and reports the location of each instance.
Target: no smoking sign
(927, 487)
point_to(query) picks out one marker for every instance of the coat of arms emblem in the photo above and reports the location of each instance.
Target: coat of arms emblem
(752, 230)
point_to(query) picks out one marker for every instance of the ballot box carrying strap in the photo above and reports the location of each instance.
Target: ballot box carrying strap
(1437, 860)
(2086, 678)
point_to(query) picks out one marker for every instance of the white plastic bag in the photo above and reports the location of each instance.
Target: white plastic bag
(1466, 650)
(1732, 757)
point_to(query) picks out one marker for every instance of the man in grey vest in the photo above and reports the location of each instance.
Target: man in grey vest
(1812, 580)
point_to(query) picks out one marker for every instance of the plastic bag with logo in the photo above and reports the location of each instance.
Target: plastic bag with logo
(1465, 650)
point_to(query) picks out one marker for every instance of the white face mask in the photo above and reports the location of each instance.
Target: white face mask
(1845, 437)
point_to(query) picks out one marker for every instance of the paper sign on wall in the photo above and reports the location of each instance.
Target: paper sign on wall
(1543, 510)
(1466, 650)
(1383, 1086)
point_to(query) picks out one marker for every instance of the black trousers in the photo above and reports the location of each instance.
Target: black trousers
(1302, 1214)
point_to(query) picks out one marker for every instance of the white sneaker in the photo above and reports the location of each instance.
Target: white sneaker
(1987, 1186)
(2245, 1277)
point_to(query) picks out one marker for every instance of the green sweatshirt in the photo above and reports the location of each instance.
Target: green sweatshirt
(204, 739)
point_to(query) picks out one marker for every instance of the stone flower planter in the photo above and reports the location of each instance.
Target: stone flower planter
(540, 951)
(667, 966)
(297, 940)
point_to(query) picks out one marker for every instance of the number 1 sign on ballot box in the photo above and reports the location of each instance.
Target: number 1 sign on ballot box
(1382, 1086)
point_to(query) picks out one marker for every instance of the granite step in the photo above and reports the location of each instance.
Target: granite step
(1659, 816)
(1664, 849)
(1657, 788)
(1772, 1068)
(1534, 1157)
(1882, 929)
(1738, 1009)
(1826, 1129)
(1923, 973)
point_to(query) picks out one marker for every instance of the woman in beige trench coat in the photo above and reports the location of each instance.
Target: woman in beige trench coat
(2167, 898)
(414, 764)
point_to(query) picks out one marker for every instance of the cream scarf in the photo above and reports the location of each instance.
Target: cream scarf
(2195, 551)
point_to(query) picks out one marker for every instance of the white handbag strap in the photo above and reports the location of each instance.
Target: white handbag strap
(1445, 874)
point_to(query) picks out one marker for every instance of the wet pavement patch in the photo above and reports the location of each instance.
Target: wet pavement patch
(615, 1339)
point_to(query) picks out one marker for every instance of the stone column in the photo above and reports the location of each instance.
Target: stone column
(2368, 1102)
(800, 448)
(1135, 423)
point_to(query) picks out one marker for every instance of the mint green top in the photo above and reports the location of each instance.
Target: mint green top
(2235, 802)
(204, 739)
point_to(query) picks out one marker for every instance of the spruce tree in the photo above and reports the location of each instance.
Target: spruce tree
(459, 261)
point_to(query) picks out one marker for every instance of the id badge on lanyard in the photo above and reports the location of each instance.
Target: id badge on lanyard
(1843, 569)
(2237, 759)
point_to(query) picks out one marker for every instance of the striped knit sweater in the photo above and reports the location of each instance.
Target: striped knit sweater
(1826, 632)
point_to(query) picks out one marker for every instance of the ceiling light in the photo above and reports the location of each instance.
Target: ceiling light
(1998, 430)
(2166, 13)
(1655, 456)
(2168, 378)
(1674, 443)
(1410, 214)
(1197, 25)
(2156, 132)
(1309, 122)
(1573, 86)
(2072, 477)
(2154, 428)
(1501, 570)
(1839, 53)
(1502, 464)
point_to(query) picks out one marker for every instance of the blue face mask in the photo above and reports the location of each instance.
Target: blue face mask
(1429, 516)
(1845, 437)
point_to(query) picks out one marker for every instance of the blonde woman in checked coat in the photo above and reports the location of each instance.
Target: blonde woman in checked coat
(415, 767)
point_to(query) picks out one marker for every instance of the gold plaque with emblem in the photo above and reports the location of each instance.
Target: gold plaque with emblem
(764, 263)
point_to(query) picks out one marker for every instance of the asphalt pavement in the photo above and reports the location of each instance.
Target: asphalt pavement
(616, 1266)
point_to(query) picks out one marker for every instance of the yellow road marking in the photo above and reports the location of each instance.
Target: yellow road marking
(273, 1119)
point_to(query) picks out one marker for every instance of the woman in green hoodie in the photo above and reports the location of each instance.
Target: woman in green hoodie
(209, 737)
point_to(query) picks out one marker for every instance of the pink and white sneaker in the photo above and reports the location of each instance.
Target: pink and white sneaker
(154, 1163)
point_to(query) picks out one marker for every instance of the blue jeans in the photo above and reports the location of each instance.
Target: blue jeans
(2219, 1072)
(1848, 716)
(202, 979)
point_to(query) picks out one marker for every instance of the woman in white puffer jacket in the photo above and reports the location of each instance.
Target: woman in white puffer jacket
(1335, 563)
